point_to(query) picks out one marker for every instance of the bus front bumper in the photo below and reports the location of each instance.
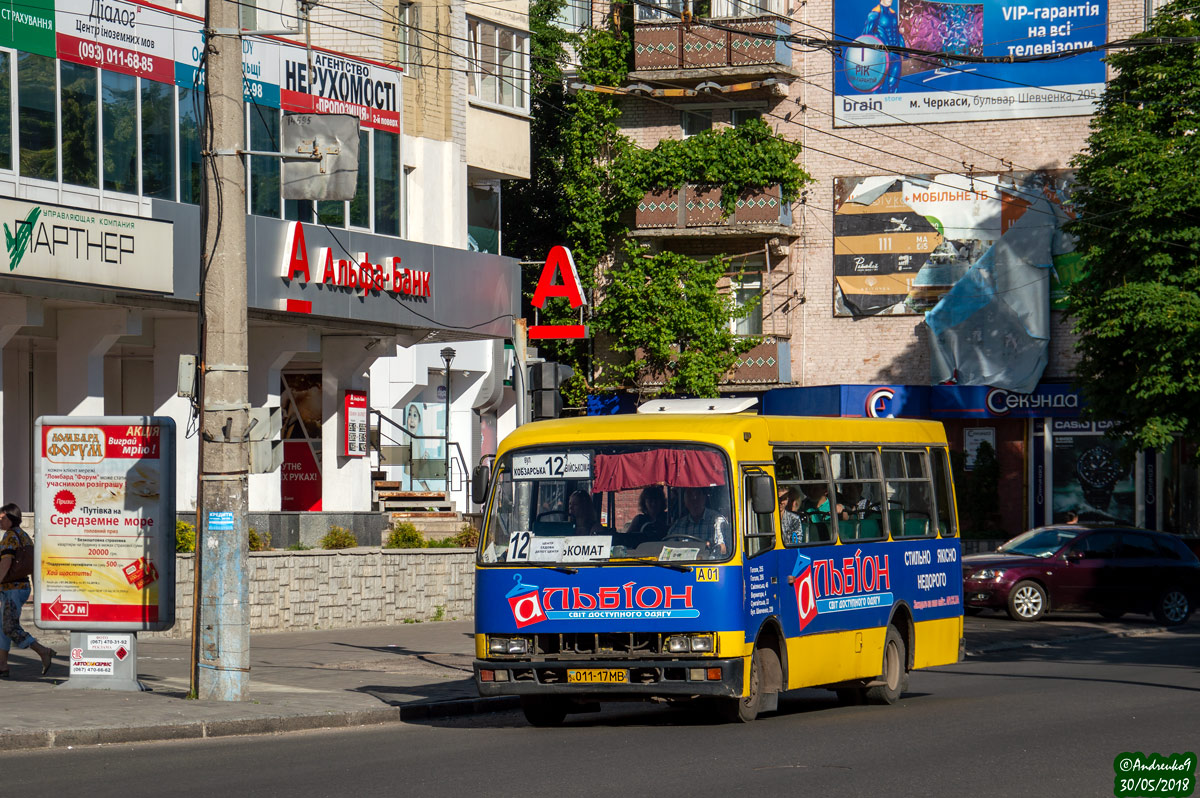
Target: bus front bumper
(645, 678)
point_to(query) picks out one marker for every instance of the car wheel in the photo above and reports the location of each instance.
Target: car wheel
(745, 709)
(1111, 615)
(895, 671)
(1027, 602)
(1172, 607)
(543, 710)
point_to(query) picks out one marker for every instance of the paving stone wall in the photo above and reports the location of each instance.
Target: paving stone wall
(293, 591)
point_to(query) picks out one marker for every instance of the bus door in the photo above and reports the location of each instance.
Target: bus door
(760, 558)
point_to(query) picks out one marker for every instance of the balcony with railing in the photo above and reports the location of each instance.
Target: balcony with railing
(742, 47)
(696, 210)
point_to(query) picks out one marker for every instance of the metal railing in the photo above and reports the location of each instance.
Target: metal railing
(458, 474)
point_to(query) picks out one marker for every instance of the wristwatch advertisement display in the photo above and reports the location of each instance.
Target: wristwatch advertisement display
(1090, 479)
(1098, 470)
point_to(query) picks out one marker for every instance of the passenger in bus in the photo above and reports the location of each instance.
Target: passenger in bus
(853, 503)
(579, 506)
(816, 502)
(652, 516)
(788, 520)
(701, 524)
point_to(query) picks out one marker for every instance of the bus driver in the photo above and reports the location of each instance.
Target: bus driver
(701, 524)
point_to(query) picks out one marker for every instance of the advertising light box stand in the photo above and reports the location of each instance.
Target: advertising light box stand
(104, 504)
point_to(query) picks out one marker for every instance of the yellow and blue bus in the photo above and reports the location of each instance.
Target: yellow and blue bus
(719, 556)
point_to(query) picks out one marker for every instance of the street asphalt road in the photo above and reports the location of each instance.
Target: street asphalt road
(1046, 718)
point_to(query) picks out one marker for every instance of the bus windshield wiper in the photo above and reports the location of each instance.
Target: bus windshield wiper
(563, 569)
(662, 564)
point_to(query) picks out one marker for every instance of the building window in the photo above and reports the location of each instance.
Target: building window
(745, 288)
(738, 116)
(499, 59)
(331, 213)
(694, 122)
(298, 210)
(360, 206)
(387, 183)
(5, 111)
(575, 15)
(265, 187)
(747, 8)
(158, 140)
(79, 124)
(665, 11)
(37, 125)
(191, 118)
(120, 139)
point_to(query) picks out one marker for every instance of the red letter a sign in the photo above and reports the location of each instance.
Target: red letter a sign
(295, 254)
(559, 260)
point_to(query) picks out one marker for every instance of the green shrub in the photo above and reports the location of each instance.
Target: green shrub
(185, 536)
(338, 538)
(404, 536)
(259, 542)
(299, 547)
(467, 537)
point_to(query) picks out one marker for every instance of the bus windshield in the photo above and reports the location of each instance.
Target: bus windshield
(653, 502)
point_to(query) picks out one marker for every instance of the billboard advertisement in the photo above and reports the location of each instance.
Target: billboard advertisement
(104, 507)
(878, 87)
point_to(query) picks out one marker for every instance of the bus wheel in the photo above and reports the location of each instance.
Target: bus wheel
(543, 710)
(894, 676)
(745, 709)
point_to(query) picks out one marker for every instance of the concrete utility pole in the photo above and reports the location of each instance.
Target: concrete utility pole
(221, 641)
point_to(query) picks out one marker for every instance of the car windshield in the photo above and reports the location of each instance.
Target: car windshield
(604, 502)
(1040, 542)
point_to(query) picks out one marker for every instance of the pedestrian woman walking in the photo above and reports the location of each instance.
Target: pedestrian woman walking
(14, 592)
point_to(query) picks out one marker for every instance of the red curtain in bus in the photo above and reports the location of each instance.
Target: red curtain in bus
(680, 468)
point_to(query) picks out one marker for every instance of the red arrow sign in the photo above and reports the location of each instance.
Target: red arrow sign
(67, 609)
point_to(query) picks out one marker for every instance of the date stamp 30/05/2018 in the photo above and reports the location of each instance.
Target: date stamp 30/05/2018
(1141, 775)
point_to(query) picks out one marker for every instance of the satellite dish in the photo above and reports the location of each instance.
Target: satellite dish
(320, 156)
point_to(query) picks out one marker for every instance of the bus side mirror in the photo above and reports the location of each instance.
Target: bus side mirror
(479, 483)
(762, 494)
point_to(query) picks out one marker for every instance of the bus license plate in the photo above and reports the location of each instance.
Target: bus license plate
(597, 676)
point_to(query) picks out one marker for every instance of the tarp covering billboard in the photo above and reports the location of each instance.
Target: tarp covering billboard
(978, 254)
(876, 87)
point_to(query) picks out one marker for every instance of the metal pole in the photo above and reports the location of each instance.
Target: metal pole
(520, 343)
(447, 358)
(222, 655)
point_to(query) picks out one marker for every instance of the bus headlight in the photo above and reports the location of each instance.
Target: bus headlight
(683, 644)
(508, 645)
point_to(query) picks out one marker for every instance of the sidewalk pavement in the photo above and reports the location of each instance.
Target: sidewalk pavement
(339, 678)
(298, 680)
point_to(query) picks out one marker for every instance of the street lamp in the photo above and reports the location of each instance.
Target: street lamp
(448, 357)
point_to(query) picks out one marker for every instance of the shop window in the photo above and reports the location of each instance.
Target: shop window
(80, 89)
(191, 118)
(265, 187)
(387, 183)
(332, 213)
(158, 140)
(695, 122)
(298, 211)
(120, 152)
(360, 206)
(37, 124)
(499, 65)
(5, 111)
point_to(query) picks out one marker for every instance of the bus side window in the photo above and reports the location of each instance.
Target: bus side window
(760, 527)
(941, 482)
(860, 495)
(910, 494)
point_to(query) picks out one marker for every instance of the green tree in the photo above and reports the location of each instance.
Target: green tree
(1138, 310)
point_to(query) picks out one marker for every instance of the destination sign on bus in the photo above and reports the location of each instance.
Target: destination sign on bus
(553, 465)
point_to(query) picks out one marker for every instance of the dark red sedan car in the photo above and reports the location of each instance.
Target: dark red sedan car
(1109, 570)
